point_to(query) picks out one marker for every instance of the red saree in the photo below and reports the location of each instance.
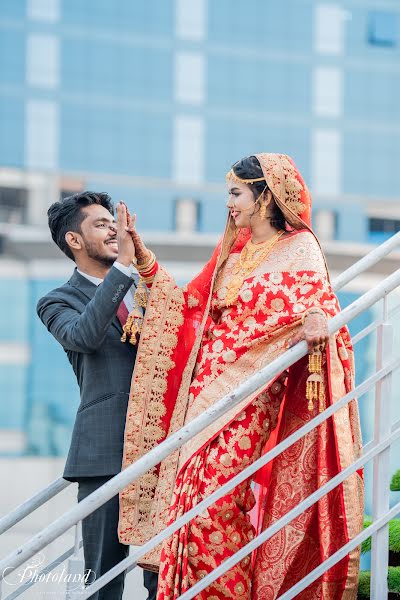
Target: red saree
(194, 350)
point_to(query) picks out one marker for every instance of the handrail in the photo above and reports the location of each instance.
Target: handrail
(59, 484)
(28, 506)
(134, 557)
(57, 561)
(176, 440)
(341, 553)
(278, 525)
(367, 261)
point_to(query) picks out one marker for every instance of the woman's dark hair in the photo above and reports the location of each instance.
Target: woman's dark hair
(250, 168)
(67, 215)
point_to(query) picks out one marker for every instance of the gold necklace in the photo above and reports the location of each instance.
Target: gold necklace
(250, 257)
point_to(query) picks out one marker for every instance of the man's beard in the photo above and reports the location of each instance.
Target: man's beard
(93, 253)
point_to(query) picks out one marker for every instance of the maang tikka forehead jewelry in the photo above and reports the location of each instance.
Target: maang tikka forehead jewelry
(263, 205)
(232, 175)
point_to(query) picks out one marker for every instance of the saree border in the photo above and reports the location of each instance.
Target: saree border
(143, 428)
(348, 447)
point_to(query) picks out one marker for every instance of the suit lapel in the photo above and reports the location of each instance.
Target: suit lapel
(88, 289)
(83, 285)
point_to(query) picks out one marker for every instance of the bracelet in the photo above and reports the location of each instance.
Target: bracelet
(147, 265)
(149, 277)
(312, 311)
(150, 272)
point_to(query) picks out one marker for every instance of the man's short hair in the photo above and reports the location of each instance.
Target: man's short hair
(67, 215)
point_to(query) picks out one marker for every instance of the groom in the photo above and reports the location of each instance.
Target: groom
(85, 316)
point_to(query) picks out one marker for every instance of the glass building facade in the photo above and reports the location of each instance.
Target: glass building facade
(152, 102)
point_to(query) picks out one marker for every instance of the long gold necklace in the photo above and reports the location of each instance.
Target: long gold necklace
(250, 257)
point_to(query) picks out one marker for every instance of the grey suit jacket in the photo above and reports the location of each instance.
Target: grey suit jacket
(82, 318)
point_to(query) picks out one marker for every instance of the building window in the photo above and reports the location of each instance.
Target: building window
(325, 224)
(188, 154)
(44, 10)
(13, 205)
(187, 212)
(42, 132)
(328, 92)
(327, 161)
(382, 29)
(329, 28)
(42, 61)
(385, 227)
(189, 77)
(191, 20)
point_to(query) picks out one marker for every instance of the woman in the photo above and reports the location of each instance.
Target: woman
(265, 287)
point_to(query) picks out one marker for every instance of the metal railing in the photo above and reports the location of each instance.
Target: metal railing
(30, 505)
(376, 450)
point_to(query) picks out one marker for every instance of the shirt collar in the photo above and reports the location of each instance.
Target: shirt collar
(96, 280)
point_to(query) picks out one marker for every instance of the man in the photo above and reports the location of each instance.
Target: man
(85, 316)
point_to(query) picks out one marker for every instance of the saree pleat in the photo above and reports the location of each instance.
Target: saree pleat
(223, 528)
(315, 535)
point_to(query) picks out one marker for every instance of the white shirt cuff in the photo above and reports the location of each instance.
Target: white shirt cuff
(129, 271)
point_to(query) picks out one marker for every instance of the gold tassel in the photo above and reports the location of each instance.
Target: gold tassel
(315, 387)
(132, 327)
(134, 322)
(141, 295)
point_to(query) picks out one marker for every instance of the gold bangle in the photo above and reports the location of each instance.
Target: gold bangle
(148, 271)
(147, 265)
(312, 311)
(147, 278)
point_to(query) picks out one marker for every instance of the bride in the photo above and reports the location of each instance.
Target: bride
(265, 287)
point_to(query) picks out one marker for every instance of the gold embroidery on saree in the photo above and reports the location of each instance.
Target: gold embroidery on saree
(151, 368)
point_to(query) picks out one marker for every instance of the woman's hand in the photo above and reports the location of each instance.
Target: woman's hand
(126, 248)
(314, 331)
(142, 253)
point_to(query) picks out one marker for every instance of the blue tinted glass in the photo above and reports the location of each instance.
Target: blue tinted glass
(382, 28)
(12, 56)
(105, 138)
(53, 392)
(378, 237)
(140, 17)
(213, 212)
(154, 207)
(255, 84)
(277, 26)
(358, 44)
(14, 320)
(364, 358)
(12, 124)
(13, 393)
(229, 139)
(370, 158)
(372, 94)
(12, 9)
(106, 70)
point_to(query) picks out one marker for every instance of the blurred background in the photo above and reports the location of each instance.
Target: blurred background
(152, 102)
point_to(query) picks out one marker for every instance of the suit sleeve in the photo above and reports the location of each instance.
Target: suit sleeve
(86, 331)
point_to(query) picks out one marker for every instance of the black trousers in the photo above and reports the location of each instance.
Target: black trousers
(101, 546)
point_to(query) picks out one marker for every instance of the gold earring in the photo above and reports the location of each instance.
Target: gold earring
(263, 210)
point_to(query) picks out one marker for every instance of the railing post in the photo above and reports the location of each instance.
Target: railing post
(75, 583)
(381, 464)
